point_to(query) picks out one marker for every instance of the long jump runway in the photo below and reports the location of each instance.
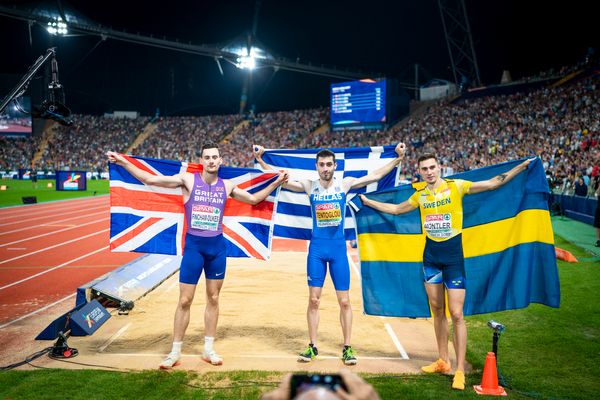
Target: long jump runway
(48, 250)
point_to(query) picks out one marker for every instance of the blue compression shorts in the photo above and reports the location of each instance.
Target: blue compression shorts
(200, 253)
(445, 262)
(328, 252)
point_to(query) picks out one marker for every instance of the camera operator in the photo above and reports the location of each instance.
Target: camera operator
(358, 389)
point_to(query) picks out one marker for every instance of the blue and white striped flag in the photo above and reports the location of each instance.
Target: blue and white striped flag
(293, 218)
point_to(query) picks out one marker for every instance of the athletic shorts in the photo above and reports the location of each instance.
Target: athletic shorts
(597, 216)
(445, 262)
(200, 253)
(322, 253)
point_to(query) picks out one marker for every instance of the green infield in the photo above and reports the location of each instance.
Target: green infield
(15, 190)
(544, 353)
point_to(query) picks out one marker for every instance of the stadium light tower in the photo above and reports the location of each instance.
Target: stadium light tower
(249, 60)
(57, 27)
(262, 58)
(459, 40)
(246, 62)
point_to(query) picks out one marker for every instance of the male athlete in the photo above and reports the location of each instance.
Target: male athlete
(440, 204)
(328, 245)
(204, 196)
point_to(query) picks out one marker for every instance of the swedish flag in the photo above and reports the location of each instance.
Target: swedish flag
(508, 245)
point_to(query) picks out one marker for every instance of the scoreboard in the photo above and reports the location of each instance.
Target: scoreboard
(358, 104)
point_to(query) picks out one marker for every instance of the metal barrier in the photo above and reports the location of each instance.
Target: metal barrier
(577, 207)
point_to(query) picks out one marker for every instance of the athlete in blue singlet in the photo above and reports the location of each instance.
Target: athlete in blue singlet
(204, 197)
(327, 247)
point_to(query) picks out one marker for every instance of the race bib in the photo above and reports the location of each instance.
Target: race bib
(205, 217)
(328, 214)
(438, 225)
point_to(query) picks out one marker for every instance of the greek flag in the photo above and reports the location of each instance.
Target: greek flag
(293, 218)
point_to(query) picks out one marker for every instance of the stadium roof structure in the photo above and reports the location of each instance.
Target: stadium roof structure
(403, 41)
(78, 24)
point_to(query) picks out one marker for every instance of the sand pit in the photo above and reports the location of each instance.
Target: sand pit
(262, 326)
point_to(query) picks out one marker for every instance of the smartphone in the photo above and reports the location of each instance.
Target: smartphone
(304, 382)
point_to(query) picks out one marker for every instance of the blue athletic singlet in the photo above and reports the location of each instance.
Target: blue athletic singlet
(328, 244)
(205, 247)
(328, 208)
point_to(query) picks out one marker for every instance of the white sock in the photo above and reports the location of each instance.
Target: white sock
(176, 349)
(208, 344)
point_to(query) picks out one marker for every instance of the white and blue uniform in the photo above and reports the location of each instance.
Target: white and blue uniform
(328, 244)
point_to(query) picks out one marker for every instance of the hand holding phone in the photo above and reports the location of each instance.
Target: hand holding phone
(345, 385)
(301, 383)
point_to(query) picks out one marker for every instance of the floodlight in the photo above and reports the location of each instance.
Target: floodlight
(246, 62)
(246, 58)
(57, 27)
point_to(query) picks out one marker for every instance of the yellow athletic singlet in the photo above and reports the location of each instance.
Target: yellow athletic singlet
(441, 209)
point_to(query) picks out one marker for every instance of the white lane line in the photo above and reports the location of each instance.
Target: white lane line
(354, 267)
(37, 311)
(396, 341)
(41, 208)
(45, 213)
(388, 327)
(319, 357)
(53, 268)
(53, 232)
(271, 356)
(175, 283)
(48, 224)
(56, 245)
(51, 203)
(16, 248)
(113, 338)
(56, 231)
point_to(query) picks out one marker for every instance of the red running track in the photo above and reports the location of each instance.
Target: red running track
(48, 250)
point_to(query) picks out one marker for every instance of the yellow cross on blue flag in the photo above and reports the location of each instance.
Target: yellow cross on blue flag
(508, 245)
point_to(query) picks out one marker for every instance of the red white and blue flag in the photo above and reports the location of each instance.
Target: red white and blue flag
(151, 219)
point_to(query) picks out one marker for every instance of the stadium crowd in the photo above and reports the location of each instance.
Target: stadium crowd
(560, 124)
(17, 152)
(179, 138)
(82, 145)
(276, 130)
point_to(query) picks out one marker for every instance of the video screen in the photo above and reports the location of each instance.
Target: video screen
(15, 122)
(71, 180)
(358, 103)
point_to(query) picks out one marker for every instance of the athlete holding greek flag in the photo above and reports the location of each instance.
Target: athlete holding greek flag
(327, 245)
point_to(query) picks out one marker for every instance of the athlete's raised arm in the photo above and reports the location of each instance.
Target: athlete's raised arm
(497, 181)
(294, 186)
(379, 173)
(147, 178)
(389, 208)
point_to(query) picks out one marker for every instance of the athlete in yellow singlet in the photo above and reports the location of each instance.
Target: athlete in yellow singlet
(441, 207)
(440, 203)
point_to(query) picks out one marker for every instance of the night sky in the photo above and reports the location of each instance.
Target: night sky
(386, 37)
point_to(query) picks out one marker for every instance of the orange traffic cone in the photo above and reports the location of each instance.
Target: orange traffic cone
(564, 255)
(489, 382)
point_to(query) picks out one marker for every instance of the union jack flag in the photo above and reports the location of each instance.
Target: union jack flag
(151, 219)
